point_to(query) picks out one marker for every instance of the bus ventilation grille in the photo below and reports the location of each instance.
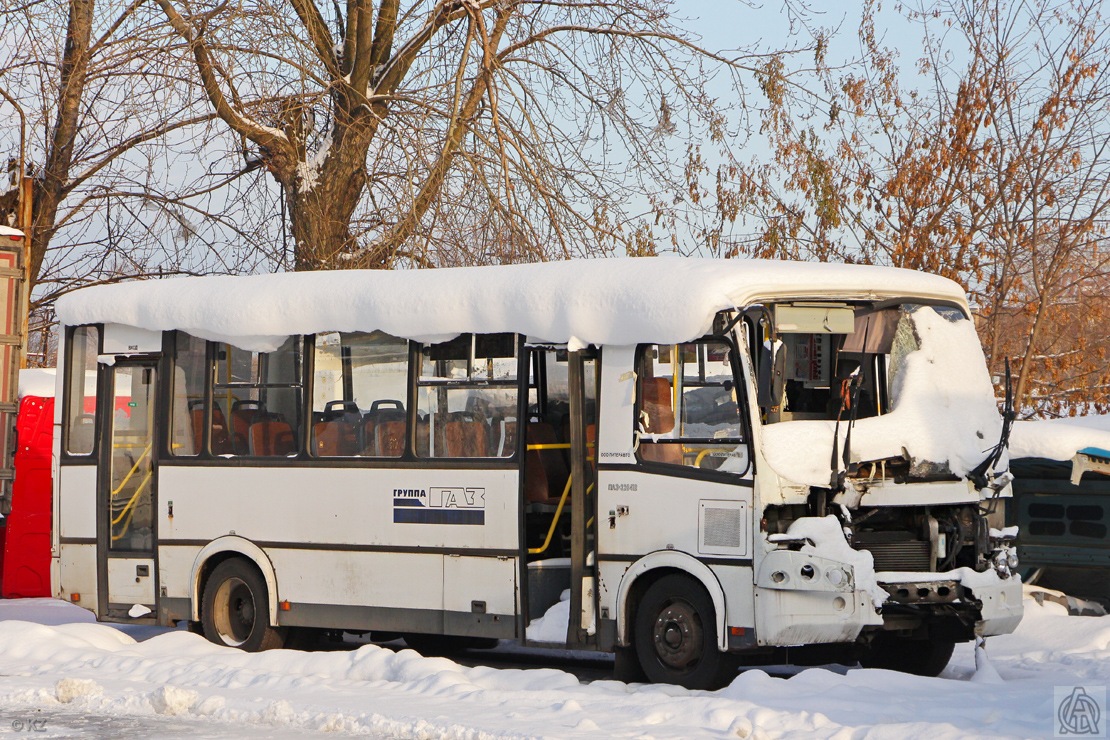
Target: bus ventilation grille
(722, 528)
(912, 556)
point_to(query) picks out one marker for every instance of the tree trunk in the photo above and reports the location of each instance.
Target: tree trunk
(52, 185)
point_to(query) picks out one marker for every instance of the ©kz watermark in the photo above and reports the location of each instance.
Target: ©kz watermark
(1080, 711)
(29, 725)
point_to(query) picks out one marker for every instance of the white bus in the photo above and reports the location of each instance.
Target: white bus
(715, 458)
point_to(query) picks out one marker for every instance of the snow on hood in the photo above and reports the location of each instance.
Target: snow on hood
(1057, 439)
(943, 411)
(598, 301)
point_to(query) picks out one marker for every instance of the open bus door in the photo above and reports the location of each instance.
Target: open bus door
(126, 490)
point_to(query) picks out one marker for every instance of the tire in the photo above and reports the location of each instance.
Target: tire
(235, 608)
(675, 635)
(926, 657)
(626, 666)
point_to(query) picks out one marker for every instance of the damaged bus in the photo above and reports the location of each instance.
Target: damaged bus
(688, 462)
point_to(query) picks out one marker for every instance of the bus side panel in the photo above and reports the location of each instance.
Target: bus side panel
(76, 534)
(355, 537)
(645, 510)
(77, 575)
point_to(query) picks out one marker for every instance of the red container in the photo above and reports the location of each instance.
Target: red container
(26, 548)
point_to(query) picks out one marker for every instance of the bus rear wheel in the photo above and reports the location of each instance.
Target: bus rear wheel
(675, 635)
(235, 608)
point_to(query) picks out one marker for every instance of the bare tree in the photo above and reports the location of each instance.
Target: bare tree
(117, 150)
(464, 130)
(991, 167)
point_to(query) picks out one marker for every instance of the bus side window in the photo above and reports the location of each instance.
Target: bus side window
(262, 390)
(467, 394)
(359, 390)
(189, 410)
(688, 413)
(84, 346)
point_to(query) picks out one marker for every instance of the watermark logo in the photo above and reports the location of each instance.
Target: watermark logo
(28, 725)
(1080, 711)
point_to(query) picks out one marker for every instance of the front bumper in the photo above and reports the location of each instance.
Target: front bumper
(991, 605)
(805, 599)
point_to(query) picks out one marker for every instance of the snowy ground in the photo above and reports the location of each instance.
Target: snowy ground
(67, 676)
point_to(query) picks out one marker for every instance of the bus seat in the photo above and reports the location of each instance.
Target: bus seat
(389, 439)
(221, 442)
(376, 416)
(272, 438)
(656, 402)
(196, 419)
(335, 439)
(503, 437)
(424, 447)
(545, 471)
(664, 452)
(244, 413)
(465, 437)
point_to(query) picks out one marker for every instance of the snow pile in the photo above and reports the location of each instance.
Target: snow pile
(826, 539)
(943, 411)
(1056, 439)
(37, 382)
(553, 625)
(601, 301)
(210, 691)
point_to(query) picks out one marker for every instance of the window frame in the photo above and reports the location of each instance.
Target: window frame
(348, 390)
(743, 477)
(91, 457)
(519, 384)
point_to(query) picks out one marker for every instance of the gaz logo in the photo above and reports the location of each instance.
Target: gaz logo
(439, 505)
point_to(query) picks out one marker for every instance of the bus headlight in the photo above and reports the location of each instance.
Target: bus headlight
(1005, 560)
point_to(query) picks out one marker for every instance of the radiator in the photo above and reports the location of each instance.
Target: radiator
(909, 555)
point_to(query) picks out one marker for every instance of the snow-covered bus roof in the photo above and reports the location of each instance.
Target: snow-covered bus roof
(595, 301)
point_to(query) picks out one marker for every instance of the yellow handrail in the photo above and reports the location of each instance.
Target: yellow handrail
(555, 519)
(131, 472)
(706, 451)
(128, 510)
(131, 501)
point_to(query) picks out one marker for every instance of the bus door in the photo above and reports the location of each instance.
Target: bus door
(126, 491)
(558, 482)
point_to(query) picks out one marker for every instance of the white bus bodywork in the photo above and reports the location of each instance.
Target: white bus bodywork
(329, 538)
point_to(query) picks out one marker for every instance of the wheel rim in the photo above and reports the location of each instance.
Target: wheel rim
(677, 636)
(233, 612)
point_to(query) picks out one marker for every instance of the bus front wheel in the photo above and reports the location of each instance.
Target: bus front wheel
(920, 657)
(675, 635)
(235, 608)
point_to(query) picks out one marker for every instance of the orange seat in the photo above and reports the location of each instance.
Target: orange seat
(657, 404)
(272, 438)
(545, 471)
(244, 413)
(221, 442)
(466, 438)
(388, 440)
(335, 439)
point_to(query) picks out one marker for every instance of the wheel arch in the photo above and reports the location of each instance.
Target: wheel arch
(649, 569)
(225, 548)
